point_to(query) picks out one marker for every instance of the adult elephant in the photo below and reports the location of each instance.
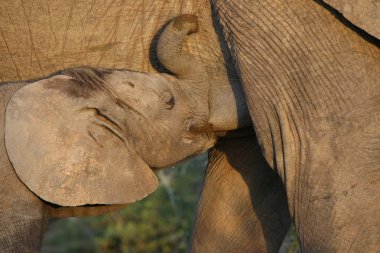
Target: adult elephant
(312, 83)
(303, 92)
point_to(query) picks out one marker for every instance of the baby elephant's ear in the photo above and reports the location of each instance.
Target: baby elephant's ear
(69, 154)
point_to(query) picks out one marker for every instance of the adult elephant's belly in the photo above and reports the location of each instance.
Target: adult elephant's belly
(39, 39)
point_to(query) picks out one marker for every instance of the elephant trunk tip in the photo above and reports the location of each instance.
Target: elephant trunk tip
(190, 20)
(169, 48)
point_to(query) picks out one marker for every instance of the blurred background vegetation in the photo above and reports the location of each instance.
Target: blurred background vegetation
(161, 223)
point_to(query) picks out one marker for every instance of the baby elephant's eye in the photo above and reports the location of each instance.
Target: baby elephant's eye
(168, 99)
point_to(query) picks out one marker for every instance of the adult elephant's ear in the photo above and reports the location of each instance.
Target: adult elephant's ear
(67, 151)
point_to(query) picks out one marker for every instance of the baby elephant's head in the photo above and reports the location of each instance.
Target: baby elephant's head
(151, 112)
(91, 136)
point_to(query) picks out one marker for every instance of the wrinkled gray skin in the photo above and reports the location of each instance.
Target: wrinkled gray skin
(312, 84)
(310, 81)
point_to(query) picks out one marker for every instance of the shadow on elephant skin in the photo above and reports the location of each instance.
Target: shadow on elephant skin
(153, 58)
(266, 190)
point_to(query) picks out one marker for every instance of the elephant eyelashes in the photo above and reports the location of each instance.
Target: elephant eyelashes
(168, 99)
(130, 84)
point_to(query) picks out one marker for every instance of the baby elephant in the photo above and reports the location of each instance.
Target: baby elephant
(91, 136)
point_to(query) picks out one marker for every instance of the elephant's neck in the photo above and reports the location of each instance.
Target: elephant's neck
(19, 205)
(7, 90)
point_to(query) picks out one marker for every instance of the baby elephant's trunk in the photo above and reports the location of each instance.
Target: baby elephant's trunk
(193, 79)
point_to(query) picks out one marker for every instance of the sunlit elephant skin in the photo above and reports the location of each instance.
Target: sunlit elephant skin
(50, 37)
(312, 83)
(47, 38)
(70, 134)
(243, 206)
(81, 136)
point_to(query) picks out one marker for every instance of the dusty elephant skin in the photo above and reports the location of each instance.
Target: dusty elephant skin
(113, 35)
(109, 34)
(72, 135)
(313, 86)
(23, 215)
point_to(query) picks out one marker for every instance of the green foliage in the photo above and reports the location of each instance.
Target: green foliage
(294, 245)
(160, 223)
(69, 235)
(290, 243)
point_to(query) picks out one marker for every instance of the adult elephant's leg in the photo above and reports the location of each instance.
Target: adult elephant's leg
(243, 206)
(312, 87)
